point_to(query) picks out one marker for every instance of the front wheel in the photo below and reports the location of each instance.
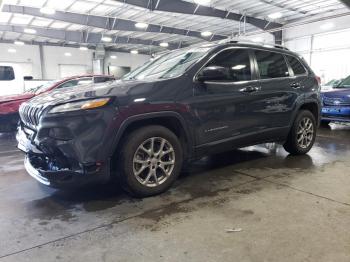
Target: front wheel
(302, 135)
(150, 161)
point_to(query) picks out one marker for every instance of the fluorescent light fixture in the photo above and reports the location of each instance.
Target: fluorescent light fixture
(67, 54)
(18, 43)
(238, 67)
(134, 52)
(106, 39)
(83, 48)
(47, 11)
(137, 100)
(202, 2)
(11, 50)
(275, 15)
(327, 26)
(164, 44)
(113, 57)
(141, 25)
(29, 31)
(206, 33)
(257, 39)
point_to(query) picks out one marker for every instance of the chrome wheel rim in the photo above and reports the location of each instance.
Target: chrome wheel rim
(305, 134)
(154, 161)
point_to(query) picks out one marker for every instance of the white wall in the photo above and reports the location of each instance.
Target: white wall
(56, 63)
(326, 50)
(125, 59)
(27, 55)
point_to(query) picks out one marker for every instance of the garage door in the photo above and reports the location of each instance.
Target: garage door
(71, 70)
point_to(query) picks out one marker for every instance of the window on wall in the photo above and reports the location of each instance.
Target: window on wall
(296, 66)
(6, 73)
(271, 65)
(237, 65)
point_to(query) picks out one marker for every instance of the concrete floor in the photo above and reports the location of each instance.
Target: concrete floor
(289, 209)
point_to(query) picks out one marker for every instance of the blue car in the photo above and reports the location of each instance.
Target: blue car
(336, 103)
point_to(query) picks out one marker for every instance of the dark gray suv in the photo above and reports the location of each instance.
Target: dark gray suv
(176, 108)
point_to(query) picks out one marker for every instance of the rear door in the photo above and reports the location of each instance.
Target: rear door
(279, 88)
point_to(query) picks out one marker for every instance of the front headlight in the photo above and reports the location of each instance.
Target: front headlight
(80, 105)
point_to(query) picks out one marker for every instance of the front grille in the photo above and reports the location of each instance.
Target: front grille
(30, 115)
(330, 101)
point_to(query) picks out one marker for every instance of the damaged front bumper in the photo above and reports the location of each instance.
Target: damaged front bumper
(55, 169)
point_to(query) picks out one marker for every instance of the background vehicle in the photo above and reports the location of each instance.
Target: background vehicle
(331, 84)
(336, 103)
(12, 80)
(9, 105)
(181, 106)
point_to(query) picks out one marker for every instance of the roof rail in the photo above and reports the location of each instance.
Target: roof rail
(242, 41)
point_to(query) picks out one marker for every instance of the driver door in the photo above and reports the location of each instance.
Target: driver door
(225, 108)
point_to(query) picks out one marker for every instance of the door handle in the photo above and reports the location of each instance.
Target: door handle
(250, 89)
(295, 85)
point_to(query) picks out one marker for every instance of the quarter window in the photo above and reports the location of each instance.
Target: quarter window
(6, 73)
(296, 66)
(271, 65)
(237, 65)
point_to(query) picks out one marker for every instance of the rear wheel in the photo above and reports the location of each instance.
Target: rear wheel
(150, 161)
(302, 135)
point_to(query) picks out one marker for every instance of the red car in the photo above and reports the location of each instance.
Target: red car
(9, 105)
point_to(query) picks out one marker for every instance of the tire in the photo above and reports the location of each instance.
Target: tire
(302, 147)
(134, 159)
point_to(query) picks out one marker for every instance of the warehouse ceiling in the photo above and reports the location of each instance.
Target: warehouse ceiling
(150, 26)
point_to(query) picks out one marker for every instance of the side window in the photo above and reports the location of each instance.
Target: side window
(69, 83)
(296, 65)
(271, 65)
(6, 73)
(236, 63)
(102, 79)
(84, 81)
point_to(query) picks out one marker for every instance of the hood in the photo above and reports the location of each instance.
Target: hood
(13, 98)
(337, 93)
(117, 88)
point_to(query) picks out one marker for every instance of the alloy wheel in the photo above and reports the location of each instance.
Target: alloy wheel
(305, 133)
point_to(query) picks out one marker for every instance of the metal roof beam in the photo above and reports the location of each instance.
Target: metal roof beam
(84, 36)
(108, 23)
(184, 7)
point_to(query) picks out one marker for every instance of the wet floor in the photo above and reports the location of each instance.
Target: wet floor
(285, 208)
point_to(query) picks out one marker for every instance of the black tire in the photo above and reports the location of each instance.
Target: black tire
(291, 145)
(325, 123)
(133, 141)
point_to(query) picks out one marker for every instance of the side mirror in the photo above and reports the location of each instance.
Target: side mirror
(212, 73)
(28, 78)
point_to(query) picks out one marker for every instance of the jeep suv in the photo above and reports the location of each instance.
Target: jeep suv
(179, 107)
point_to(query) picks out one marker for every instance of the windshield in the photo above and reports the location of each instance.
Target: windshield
(170, 65)
(45, 86)
(345, 83)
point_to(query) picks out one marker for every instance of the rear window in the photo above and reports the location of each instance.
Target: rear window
(271, 65)
(6, 73)
(296, 66)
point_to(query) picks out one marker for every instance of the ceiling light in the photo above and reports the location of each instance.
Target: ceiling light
(206, 33)
(19, 43)
(83, 48)
(113, 57)
(202, 2)
(275, 15)
(67, 54)
(257, 39)
(29, 31)
(106, 39)
(327, 26)
(164, 44)
(47, 11)
(134, 52)
(141, 25)
(11, 50)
